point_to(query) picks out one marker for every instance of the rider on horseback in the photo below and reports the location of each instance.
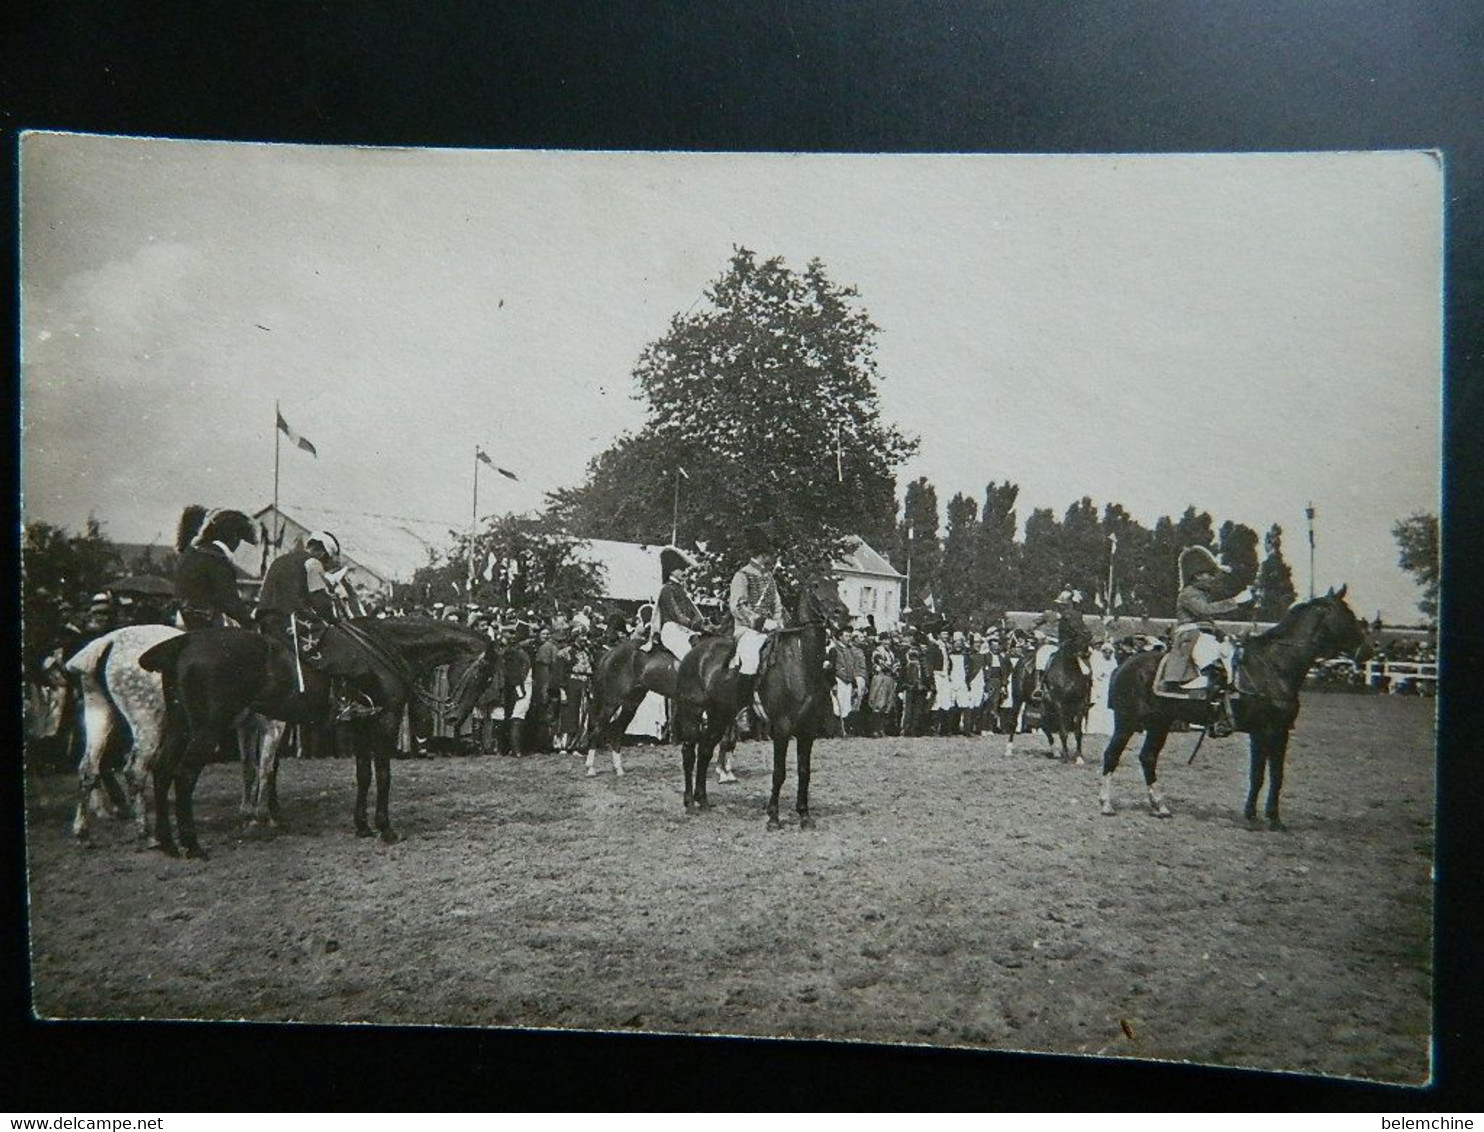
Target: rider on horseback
(205, 579)
(757, 610)
(297, 604)
(679, 620)
(1072, 632)
(1196, 645)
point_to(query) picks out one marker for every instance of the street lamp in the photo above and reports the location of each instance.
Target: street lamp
(1309, 514)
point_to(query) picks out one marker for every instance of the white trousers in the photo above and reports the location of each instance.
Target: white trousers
(750, 650)
(676, 638)
(1207, 650)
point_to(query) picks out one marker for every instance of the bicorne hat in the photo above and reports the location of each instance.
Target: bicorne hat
(672, 558)
(759, 540)
(1197, 562)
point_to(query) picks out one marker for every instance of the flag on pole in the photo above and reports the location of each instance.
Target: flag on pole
(489, 568)
(931, 605)
(506, 472)
(683, 473)
(294, 438)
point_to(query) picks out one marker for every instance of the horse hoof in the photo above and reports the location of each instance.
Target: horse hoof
(1108, 810)
(774, 824)
(806, 822)
(169, 849)
(1276, 825)
(592, 773)
(1163, 812)
(390, 837)
(364, 831)
(618, 772)
(196, 853)
(1079, 761)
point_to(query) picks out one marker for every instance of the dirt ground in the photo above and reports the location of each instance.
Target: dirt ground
(949, 896)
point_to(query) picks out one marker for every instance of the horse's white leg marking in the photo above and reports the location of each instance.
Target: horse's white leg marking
(1157, 803)
(1107, 793)
(618, 762)
(592, 756)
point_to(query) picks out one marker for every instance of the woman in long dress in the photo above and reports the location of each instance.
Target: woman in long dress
(1100, 715)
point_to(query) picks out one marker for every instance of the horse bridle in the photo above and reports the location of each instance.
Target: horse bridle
(456, 694)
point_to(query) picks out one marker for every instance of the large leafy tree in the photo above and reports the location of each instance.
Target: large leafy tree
(998, 565)
(1238, 546)
(765, 394)
(520, 563)
(959, 580)
(920, 554)
(1419, 555)
(1275, 592)
(59, 571)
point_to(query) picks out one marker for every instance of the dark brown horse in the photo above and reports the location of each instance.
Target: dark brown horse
(793, 688)
(1066, 694)
(623, 676)
(212, 677)
(1272, 669)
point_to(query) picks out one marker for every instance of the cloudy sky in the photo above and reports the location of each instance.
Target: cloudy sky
(1246, 333)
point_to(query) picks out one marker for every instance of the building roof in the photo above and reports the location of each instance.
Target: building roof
(393, 547)
(859, 558)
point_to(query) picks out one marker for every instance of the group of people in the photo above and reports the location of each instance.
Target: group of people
(926, 679)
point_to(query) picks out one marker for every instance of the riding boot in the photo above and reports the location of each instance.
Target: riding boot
(1218, 699)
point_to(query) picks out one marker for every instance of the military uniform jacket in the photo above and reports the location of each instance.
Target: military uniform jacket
(754, 597)
(206, 582)
(1195, 607)
(675, 605)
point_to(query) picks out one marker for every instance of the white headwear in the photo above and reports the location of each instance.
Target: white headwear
(326, 540)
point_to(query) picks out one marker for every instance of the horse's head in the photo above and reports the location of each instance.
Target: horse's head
(820, 604)
(469, 677)
(1340, 631)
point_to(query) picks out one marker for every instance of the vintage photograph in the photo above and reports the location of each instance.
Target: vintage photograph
(968, 601)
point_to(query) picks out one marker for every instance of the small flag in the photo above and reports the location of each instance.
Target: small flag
(294, 438)
(932, 606)
(506, 472)
(683, 473)
(489, 568)
(515, 567)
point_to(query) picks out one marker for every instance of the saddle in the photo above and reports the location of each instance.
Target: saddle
(1174, 690)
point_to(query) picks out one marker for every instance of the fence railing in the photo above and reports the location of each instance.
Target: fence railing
(1394, 675)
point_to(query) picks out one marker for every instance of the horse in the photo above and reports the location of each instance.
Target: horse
(1272, 667)
(793, 688)
(623, 676)
(211, 677)
(115, 697)
(1022, 689)
(1066, 693)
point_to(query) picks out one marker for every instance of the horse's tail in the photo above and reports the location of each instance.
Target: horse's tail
(163, 657)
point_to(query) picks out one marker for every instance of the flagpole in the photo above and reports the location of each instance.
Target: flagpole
(473, 518)
(277, 432)
(1309, 512)
(1112, 553)
(675, 517)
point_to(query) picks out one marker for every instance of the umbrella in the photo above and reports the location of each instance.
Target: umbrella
(142, 584)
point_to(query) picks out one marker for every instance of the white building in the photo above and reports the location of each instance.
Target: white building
(870, 586)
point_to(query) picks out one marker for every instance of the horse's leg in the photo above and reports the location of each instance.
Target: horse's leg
(185, 779)
(704, 748)
(98, 719)
(724, 758)
(1257, 747)
(1111, 755)
(1077, 732)
(247, 749)
(804, 746)
(382, 744)
(1154, 741)
(780, 772)
(269, 734)
(1277, 753)
(347, 732)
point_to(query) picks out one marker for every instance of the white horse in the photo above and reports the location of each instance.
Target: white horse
(115, 691)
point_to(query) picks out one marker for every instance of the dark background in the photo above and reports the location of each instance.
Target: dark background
(862, 77)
